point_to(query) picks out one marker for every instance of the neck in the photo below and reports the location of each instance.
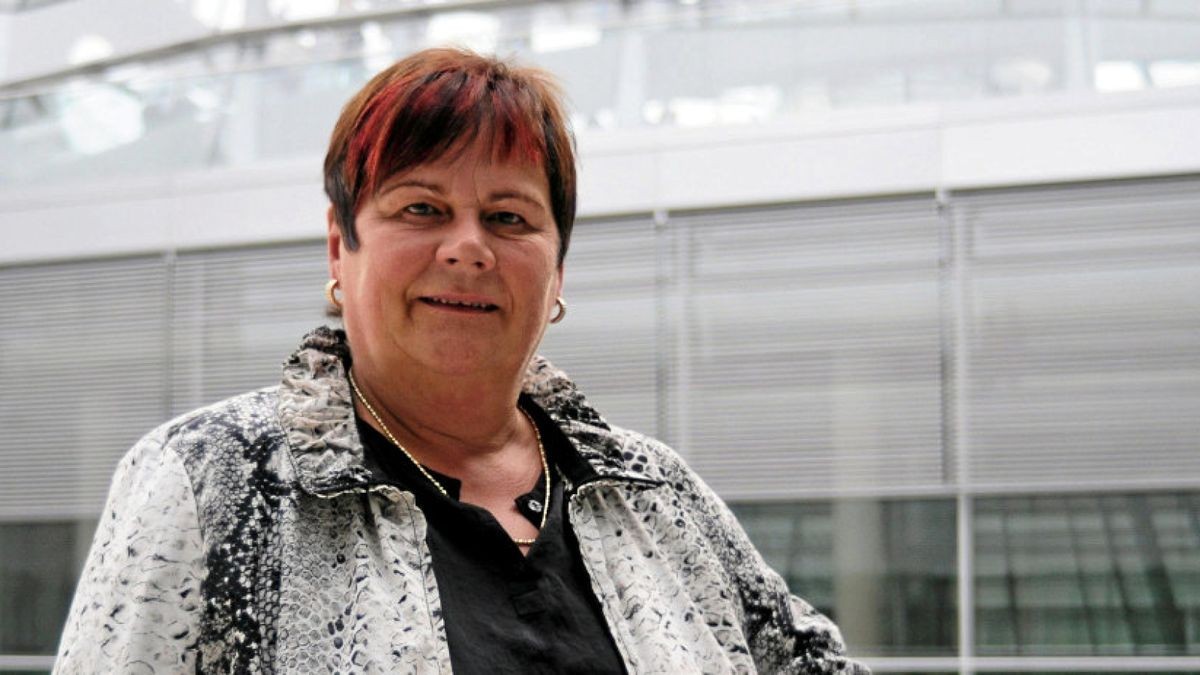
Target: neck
(446, 421)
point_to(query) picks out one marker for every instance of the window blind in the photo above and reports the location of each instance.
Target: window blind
(786, 352)
(609, 342)
(1083, 333)
(236, 315)
(82, 358)
(811, 348)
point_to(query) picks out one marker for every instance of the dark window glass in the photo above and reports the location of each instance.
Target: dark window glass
(884, 570)
(39, 566)
(1088, 575)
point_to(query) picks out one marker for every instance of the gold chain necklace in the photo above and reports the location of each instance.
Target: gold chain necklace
(536, 434)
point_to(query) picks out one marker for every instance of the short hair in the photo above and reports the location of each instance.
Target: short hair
(437, 101)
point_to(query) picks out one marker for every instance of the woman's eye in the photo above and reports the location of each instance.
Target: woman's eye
(508, 218)
(420, 209)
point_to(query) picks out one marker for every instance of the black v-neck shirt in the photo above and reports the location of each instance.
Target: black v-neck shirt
(506, 612)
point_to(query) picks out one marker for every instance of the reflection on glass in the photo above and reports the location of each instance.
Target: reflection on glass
(39, 566)
(623, 64)
(1168, 74)
(883, 570)
(97, 119)
(1119, 76)
(219, 14)
(1088, 575)
(479, 31)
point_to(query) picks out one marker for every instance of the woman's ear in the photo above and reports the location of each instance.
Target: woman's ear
(333, 244)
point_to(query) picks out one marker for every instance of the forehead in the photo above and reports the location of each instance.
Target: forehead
(479, 161)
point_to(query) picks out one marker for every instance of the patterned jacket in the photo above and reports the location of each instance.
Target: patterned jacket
(249, 537)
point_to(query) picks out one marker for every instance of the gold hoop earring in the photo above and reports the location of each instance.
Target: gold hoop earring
(562, 309)
(331, 287)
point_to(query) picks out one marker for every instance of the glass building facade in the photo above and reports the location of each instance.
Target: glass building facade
(963, 423)
(926, 560)
(1088, 575)
(885, 570)
(1112, 574)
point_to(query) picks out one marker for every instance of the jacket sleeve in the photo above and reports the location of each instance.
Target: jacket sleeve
(785, 633)
(137, 607)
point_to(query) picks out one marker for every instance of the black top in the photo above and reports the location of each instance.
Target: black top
(506, 612)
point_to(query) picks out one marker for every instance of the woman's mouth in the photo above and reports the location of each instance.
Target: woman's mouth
(453, 304)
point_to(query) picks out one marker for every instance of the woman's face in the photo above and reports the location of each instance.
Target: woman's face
(456, 270)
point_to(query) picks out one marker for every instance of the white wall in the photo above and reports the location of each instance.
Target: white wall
(843, 155)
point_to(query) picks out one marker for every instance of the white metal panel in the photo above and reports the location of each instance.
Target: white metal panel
(82, 358)
(1043, 149)
(788, 351)
(237, 314)
(1084, 333)
(795, 167)
(813, 357)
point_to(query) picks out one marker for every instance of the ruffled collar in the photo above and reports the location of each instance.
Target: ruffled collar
(317, 415)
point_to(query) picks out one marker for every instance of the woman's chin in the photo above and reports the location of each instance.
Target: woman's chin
(461, 359)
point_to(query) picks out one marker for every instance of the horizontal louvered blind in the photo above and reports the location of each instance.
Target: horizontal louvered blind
(608, 342)
(237, 314)
(82, 359)
(1084, 333)
(785, 351)
(812, 357)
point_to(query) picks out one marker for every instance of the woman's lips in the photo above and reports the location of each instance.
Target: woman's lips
(470, 306)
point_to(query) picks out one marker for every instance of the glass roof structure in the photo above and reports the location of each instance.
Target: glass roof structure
(263, 81)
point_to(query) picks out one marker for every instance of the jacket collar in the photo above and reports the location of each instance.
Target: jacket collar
(317, 415)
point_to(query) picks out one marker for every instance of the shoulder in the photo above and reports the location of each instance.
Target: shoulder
(230, 430)
(249, 415)
(786, 634)
(215, 447)
(651, 459)
(647, 460)
(684, 494)
(176, 439)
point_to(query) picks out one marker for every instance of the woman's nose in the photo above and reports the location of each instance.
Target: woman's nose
(466, 244)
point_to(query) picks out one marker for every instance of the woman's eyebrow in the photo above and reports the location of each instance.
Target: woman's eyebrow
(518, 195)
(411, 182)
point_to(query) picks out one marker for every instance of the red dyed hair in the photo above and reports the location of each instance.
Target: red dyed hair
(441, 100)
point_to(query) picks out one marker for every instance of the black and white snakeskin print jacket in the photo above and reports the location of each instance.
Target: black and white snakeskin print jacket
(248, 537)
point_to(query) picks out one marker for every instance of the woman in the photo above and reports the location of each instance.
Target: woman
(422, 493)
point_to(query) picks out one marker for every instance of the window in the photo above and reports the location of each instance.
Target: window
(884, 570)
(1100, 575)
(39, 565)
